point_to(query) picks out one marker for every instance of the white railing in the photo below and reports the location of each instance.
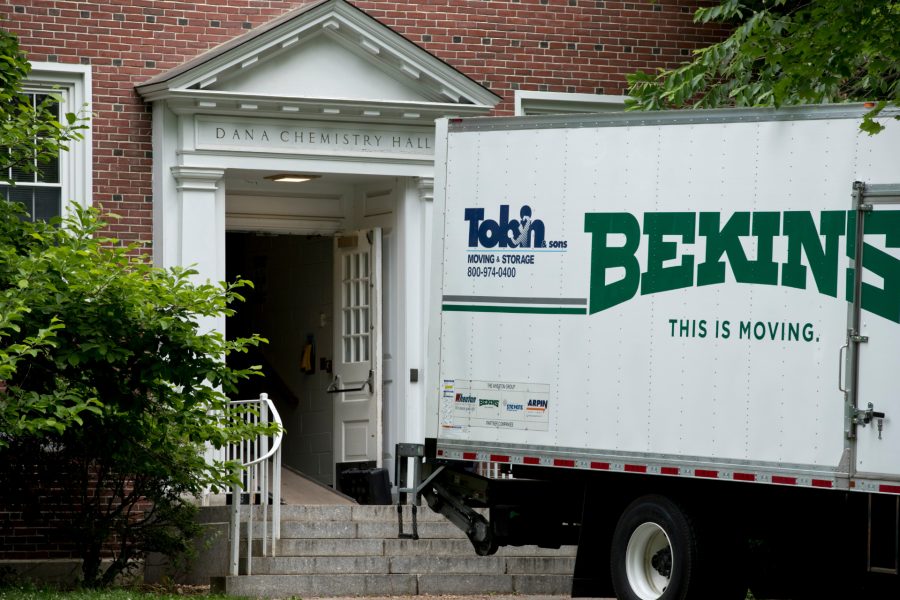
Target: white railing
(260, 482)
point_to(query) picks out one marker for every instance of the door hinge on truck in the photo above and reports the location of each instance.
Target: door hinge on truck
(862, 417)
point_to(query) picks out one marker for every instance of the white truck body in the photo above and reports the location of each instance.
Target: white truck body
(669, 294)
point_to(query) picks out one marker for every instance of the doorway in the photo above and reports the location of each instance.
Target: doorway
(291, 305)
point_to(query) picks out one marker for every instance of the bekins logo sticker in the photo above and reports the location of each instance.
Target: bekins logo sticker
(524, 232)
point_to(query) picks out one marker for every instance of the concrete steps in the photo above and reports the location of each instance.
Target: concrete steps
(354, 551)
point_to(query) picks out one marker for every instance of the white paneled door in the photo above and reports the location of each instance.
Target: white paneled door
(358, 375)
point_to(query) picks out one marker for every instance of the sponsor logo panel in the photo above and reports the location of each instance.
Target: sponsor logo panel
(495, 405)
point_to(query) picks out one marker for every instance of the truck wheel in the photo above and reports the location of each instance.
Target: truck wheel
(654, 552)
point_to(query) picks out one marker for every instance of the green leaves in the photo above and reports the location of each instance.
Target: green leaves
(109, 391)
(102, 328)
(31, 135)
(786, 52)
(103, 359)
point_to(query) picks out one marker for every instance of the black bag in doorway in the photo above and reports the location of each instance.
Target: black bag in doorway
(366, 486)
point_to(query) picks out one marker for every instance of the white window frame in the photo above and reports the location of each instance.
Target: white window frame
(72, 83)
(529, 102)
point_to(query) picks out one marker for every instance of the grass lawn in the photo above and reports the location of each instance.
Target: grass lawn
(31, 593)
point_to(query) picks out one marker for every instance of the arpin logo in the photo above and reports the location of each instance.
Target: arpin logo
(523, 232)
(536, 404)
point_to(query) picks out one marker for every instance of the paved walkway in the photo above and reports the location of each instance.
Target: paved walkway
(300, 489)
(484, 597)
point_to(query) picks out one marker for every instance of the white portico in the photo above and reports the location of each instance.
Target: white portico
(340, 261)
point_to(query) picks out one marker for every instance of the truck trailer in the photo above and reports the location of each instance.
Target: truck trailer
(673, 339)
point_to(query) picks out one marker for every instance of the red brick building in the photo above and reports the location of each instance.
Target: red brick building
(560, 46)
(198, 107)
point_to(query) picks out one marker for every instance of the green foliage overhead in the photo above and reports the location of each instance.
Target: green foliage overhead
(783, 52)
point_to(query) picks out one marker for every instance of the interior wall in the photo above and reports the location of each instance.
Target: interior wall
(291, 306)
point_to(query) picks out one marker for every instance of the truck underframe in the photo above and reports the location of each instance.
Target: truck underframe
(708, 539)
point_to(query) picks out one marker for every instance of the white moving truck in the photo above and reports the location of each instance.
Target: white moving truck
(655, 328)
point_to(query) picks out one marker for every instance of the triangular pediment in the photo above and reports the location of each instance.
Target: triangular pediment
(323, 67)
(328, 50)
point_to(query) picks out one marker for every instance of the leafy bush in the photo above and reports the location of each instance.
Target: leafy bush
(113, 389)
(110, 390)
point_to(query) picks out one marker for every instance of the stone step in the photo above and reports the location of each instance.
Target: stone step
(480, 565)
(396, 547)
(301, 547)
(320, 513)
(362, 530)
(281, 586)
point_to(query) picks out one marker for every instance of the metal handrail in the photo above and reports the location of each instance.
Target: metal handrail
(276, 445)
(255, 482)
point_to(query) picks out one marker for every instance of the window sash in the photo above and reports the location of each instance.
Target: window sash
(40, 192)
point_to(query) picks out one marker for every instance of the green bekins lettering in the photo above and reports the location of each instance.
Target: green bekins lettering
(880, 301)
(727, 241)
(604, 257)
(658, 278)
(813, 244)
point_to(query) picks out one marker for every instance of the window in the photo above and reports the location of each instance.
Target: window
(355, 306)
(39, 192)
(559, 103)
(68, 178)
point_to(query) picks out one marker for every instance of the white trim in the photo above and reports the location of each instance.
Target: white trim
(74, 84)
(528, 102)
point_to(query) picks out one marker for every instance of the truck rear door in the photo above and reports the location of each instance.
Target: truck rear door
(873, 420)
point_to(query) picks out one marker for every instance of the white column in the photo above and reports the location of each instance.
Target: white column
(201, 205)
(414, 250)
(426, 205)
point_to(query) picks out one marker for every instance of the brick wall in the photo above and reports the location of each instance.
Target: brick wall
(41, 503)
(583, 46)
(574, 46)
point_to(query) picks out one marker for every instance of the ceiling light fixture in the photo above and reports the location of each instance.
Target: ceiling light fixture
(291, 177)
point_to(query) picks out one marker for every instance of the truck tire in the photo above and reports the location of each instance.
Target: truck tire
(655, 555)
